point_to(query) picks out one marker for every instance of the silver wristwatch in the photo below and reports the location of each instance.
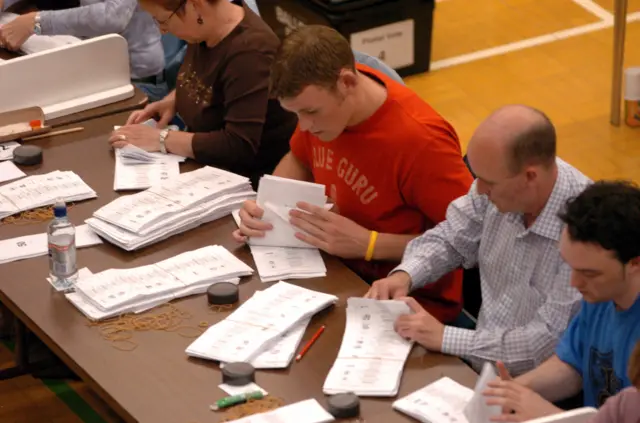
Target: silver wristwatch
(163, 138)
(37, 28)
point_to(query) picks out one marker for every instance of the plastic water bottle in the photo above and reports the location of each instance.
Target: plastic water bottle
(61, 236)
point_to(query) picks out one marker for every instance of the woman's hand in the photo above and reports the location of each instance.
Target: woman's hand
(143, 136)
(164, 110)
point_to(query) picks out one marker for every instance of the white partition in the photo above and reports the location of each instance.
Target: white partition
(579, 415)
(68, 79)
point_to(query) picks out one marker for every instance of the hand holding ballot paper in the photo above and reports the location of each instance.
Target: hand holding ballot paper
(291, 213)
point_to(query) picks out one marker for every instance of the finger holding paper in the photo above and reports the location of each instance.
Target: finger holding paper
(332, 233)
(420, 326)
(250, 223)
(525, 403)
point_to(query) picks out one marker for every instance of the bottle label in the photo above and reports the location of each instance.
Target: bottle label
(62, 259)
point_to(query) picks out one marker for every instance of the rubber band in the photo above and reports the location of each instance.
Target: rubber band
(252, 407)
(27, 217)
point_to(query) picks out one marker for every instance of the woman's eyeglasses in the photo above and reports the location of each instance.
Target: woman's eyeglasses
(164, 22)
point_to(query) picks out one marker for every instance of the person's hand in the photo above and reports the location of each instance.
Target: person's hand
(143, 136)
(420, 326)
(330, 232)
(14, 34)
(250, 223)
(394, 286)
(503, 372)
(163, 110)
(523, 403)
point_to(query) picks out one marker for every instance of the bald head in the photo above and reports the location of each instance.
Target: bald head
(521, 135)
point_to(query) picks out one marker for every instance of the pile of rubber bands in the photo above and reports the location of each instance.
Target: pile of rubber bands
(167, 317)
(41, 214)
(252, 407)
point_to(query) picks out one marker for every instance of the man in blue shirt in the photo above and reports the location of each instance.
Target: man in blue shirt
(601, 243)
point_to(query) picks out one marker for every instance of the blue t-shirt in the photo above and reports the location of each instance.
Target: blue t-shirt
(598, 343)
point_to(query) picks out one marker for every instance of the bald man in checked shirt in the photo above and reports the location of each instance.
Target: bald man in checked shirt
(507, 224)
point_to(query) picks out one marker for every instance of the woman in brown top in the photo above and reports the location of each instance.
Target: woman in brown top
(221, 93)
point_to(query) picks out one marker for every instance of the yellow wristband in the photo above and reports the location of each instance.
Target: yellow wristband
(372, 244)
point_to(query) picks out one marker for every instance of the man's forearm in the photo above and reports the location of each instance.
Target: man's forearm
(291, 168)
(391, 246)
(554, 380)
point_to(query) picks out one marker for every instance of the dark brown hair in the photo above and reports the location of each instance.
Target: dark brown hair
(310, 55)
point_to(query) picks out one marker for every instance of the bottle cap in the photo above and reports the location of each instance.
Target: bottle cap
(238, 374)
(28, 155)
(60, 208)
(222, 293)
(344, 406)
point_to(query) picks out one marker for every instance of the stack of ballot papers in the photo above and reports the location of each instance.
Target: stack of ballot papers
(38, 43)
(42, 190)
(29, 246)
(281, 353)
(117, 291)
(6, 150)
(308, 411)
(447, 401)
(277, 197)
(138, 169)
(372, 355)
(282, 263)
(259, 323)
(175, 206)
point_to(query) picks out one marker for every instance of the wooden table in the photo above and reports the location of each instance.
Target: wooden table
(157, 382)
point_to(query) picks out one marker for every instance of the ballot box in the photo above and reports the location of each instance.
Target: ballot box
(398, 32)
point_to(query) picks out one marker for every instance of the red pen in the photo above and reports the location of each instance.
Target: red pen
(310, 343)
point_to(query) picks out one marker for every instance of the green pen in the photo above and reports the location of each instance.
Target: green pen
(236, 399)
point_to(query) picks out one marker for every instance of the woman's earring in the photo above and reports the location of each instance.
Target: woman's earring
(200, 21)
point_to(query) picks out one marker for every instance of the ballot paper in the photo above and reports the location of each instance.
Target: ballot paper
(282, 263)
(372, 355)
(277, 197)
(38, 43)
(9, 172)
(439, 402)
(172, 207)
(133, 172)
(42, 190)
(308, 411)
(281, 353)
(446, 401)
(6, 150)
(29, 246)
(477, 410)
(259, 323)
(116, 291)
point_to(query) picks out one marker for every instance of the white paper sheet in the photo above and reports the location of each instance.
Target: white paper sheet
(308, 411)
(6, 150)
(38, 43)
(372, 355)
(277, 196)
(283, 263)
(29, 246)
(439, 402)
(9, 172)
(477, 410)
(259, 323)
